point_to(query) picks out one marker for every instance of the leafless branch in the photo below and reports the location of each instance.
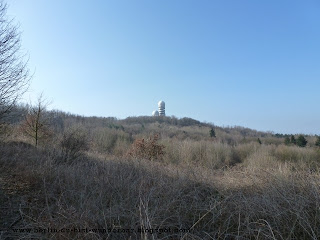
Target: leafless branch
(14, 74)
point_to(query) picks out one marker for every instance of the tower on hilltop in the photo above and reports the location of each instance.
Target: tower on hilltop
(162, 108)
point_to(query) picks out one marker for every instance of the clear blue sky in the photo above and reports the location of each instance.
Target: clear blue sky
(250, 63)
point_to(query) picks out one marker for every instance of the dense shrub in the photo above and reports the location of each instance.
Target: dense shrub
(73, 144)
(147, 148)
(317, 143)
(110, 140)
(301, 141)
(287, 141)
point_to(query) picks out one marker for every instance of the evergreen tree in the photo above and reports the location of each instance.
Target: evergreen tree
(259, 141)
(293, 140)
(212, 133)
(301, 141)
(318, 141)
(287, 141)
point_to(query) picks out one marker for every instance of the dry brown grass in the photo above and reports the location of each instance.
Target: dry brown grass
(228, 187)
(263, 198)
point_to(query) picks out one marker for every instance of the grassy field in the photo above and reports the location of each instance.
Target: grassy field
(103, 178)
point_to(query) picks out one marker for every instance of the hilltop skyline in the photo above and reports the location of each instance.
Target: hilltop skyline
(251, 64)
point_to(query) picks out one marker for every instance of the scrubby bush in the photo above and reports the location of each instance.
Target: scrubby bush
(110, 140)
(147, 148)
(293, 140)
(287, 141)
(209, 154)
(296, 154)
(73, 144)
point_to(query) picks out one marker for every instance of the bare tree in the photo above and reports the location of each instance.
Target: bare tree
(14, 74)
(36, 124)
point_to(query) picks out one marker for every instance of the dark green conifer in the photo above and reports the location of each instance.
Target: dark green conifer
(287, 141)
(212, 133)
(318, 141)
(301, 141)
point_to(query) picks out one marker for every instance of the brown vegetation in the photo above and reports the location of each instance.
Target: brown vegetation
(229, 187)
(147, 149)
